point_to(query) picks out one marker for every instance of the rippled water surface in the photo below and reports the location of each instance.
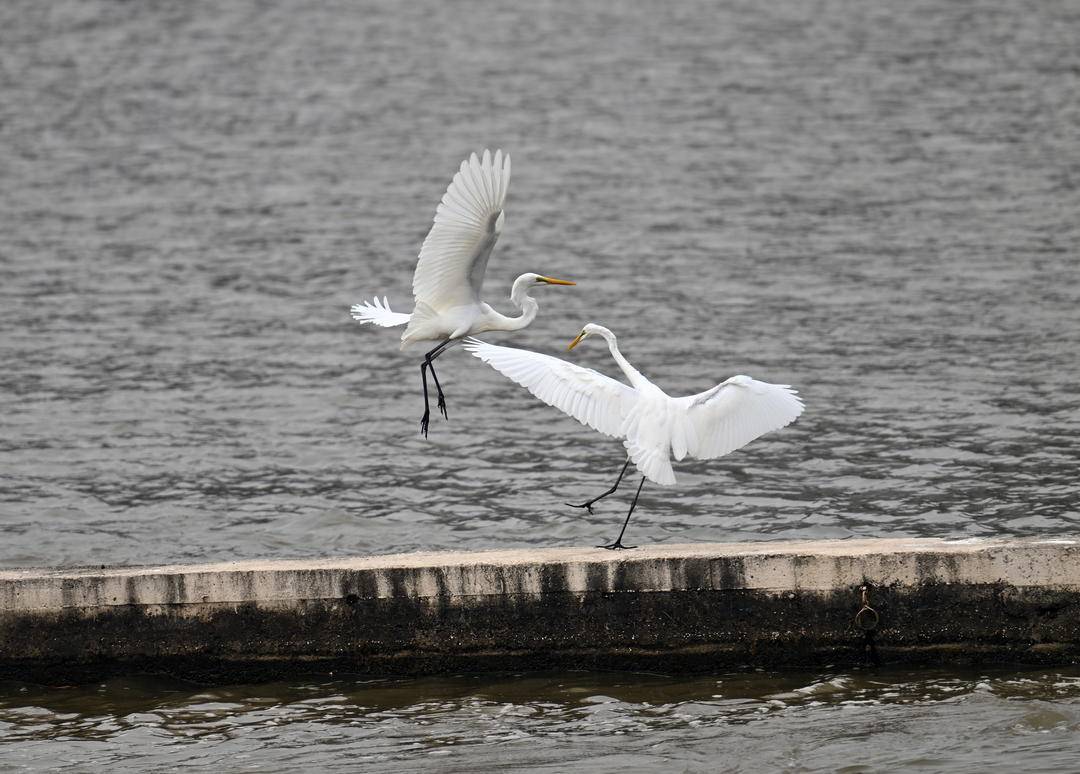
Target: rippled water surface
(875, 202)
(854, 722)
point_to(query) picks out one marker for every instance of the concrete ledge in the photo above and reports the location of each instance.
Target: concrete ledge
(678, 607)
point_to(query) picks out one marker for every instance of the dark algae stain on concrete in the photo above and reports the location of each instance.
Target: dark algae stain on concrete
(683, 613)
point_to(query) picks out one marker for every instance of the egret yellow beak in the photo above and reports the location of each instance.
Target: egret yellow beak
(576, 341)
(553, 281)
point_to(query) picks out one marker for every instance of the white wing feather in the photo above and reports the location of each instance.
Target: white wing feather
(731, 415)
(591, 398)
(378, 313)
(468, 221)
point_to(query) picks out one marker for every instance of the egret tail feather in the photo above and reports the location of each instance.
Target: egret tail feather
(378, 313)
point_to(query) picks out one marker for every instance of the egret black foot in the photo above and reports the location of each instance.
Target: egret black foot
(587, 506)
(424, 423)
(442, 406)
(617, 546)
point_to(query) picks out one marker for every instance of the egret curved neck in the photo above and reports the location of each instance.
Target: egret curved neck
(632, 374)
(528, 306)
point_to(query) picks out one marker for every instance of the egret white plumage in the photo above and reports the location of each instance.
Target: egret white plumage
(450, 273)
(654, 426)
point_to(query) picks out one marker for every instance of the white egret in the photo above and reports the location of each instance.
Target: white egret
(653, 425)
(450, 272)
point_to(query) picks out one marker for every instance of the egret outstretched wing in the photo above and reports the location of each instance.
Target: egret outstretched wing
(591, 398)
(449, 273)
(468, 220)
(732, 414)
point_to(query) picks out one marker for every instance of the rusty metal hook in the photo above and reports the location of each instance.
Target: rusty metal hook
(867, 618)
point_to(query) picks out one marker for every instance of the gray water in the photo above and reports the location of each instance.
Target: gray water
(883, 721)
(875, 202)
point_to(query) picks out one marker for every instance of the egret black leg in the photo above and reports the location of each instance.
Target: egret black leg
(428, 358)
(441, 399)
(618, 541)
(588, 504)
(427, 409)
(438, 387)
(423, 377)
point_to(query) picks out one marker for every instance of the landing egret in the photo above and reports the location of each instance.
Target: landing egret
(450, 272)
(653, 425)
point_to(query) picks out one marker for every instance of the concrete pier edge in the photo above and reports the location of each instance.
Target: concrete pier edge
(675, 608)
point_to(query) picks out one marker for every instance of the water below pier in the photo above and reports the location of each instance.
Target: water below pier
(825, 720)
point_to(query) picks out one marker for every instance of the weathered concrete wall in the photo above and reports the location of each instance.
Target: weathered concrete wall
(700, 607)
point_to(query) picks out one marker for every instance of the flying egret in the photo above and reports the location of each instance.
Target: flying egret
(653, 425)
(450, 272)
